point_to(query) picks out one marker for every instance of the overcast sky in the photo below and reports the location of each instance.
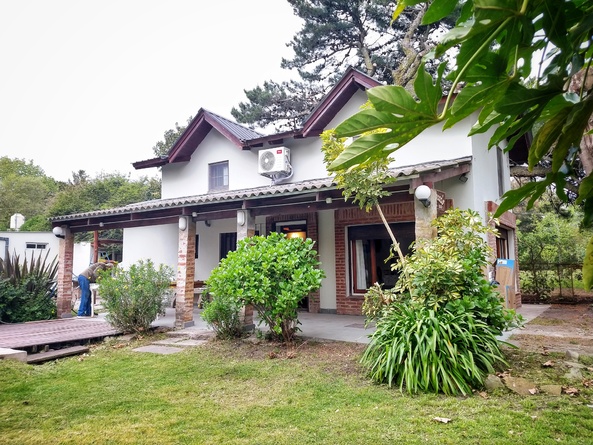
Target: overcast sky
(93, 85)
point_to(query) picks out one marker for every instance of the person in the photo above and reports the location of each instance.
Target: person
(86, 277)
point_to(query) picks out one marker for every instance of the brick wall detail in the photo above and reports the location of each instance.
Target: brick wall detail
(65, 288)
(186, 266)
(347, 304)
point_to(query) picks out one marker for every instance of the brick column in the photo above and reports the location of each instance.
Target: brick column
(246, 229)
(424, 217)
(65, 288)
(186, 266)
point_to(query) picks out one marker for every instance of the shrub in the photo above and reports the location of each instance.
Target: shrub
(423, 349)
(135, 297)
(271, 273)
(437, 329)
(27, 288)
(223, 314)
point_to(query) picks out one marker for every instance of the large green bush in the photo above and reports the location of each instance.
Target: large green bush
(443, 315)
(27, 288)
(135, 297)
(273, 274)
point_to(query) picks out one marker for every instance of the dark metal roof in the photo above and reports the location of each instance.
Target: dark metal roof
(295, 188)
(239, 131)
(195, 133)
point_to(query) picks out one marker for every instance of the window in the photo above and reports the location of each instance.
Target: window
(502, 243)
(369, 249)
(36, 245)
(228, 242)
(218, 175)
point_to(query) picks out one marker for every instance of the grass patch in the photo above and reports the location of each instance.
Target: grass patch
(546, 321)
(240, 393)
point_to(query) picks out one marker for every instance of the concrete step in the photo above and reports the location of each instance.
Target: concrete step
(55, 354)
(13, 354)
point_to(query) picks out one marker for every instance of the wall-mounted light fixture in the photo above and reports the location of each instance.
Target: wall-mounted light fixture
(182, 223)
(59, 232)
(194, 214)
(241, 217)
(328, 200)
(463, 178)
(422, 194)
(101, 224)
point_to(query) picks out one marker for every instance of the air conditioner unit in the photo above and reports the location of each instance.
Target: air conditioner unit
(274, 162)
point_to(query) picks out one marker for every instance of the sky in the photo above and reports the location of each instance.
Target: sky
(93, 85)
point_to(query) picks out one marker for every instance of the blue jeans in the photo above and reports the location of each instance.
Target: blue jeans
(84, 310)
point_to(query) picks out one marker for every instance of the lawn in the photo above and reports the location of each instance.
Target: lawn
(244, 393)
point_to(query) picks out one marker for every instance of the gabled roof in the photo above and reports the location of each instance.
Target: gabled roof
(244, 138)
(195, 133)
(352, 81)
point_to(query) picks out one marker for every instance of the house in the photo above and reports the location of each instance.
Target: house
(222, 182)
(36, 244)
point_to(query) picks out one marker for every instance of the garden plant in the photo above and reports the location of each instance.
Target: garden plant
(27, 288)
(273, 273)
(134, 297)
(437, 330)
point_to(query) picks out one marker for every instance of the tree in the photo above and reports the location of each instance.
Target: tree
(335, 35)
(161, 148)
(496, 46)
(24, 189)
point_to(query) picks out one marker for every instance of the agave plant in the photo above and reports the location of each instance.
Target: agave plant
(27, 288)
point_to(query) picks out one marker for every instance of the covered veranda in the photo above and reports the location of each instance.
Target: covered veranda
(244, 206)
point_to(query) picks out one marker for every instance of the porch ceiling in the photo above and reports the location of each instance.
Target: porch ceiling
(280, 198)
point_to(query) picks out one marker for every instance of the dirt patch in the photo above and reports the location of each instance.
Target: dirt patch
(560, 328)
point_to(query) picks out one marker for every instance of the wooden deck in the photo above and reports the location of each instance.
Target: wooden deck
(51, 332)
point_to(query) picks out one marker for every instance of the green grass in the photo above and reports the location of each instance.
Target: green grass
(235, 393)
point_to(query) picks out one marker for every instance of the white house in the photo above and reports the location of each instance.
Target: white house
(27, 244)
(222, 182)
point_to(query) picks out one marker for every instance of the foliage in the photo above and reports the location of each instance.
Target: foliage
(436, 331)
(272, 273)
(27, 288)
(161, 148)
(38, 223)
(546, 239)
(508, 39)
(365, 184)
(422, 349)
(24, 189)
(223, 314)
(135, 297)
(335, 35)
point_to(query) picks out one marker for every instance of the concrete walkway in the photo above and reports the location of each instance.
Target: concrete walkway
(348, 328)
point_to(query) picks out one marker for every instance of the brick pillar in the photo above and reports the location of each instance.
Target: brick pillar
(65, 288)
(424, 217)
(246, 229)
(186, 267)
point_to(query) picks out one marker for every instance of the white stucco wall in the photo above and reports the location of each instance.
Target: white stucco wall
(326, 249)
(191, 178)
(158, 243)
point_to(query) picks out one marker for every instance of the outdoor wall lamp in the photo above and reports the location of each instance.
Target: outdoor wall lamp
(59, 232)
(422, 194)
(182, 223)
(463, 178)
(241, 217)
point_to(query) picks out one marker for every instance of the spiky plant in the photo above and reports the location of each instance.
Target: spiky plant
(27, 288)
